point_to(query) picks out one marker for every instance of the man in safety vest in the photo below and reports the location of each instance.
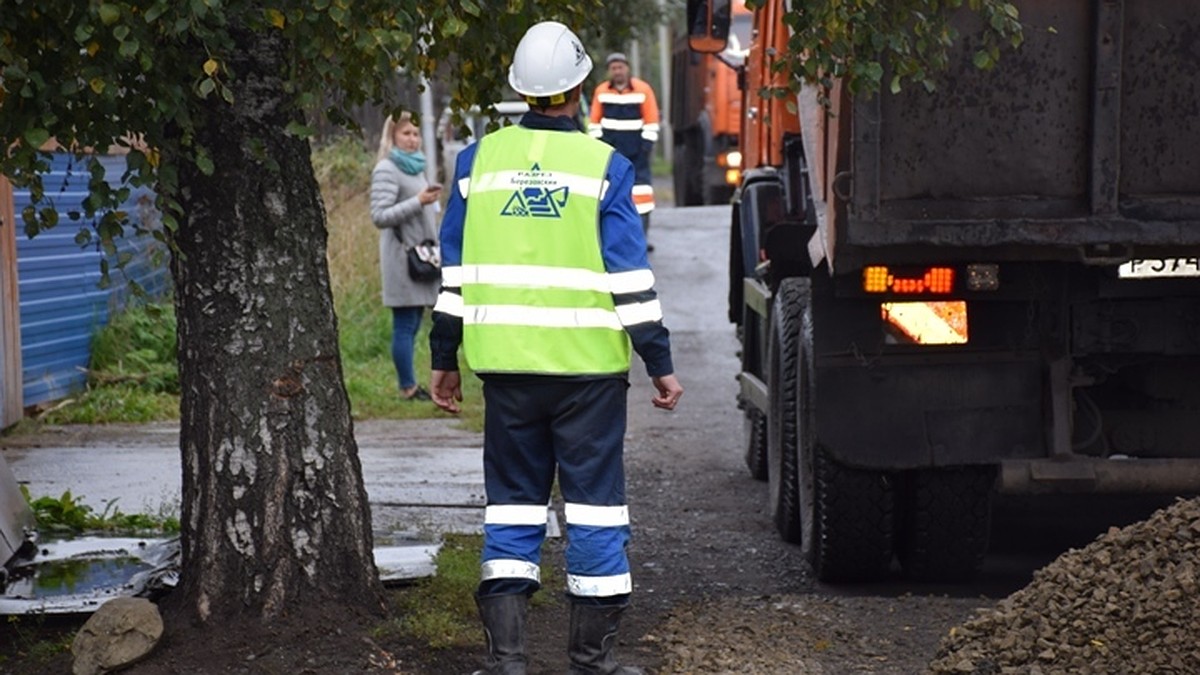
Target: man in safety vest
(546, 285)
(624, 114)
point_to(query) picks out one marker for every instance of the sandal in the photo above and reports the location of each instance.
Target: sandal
(418, 394)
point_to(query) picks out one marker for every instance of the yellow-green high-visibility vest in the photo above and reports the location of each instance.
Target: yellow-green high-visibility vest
(536, 295)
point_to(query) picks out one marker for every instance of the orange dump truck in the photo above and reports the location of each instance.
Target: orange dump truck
(993, 287)
(706, 115)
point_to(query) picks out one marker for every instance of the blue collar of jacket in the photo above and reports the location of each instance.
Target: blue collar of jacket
(536, 120)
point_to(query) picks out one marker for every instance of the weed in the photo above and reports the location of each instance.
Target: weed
(134, 376)
(67, 514)
(104, 404)
(34, 639)
(138, 345)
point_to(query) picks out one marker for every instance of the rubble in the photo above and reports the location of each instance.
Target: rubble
(1126, 603)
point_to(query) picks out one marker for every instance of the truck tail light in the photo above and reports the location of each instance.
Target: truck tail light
(731, 159)
(926, 323)
(882, 279)
(732, 176)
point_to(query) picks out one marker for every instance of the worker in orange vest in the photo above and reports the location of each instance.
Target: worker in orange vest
(624, 114)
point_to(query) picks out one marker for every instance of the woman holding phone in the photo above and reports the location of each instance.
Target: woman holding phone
(403, 207)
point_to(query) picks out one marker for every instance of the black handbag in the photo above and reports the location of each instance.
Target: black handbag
(424, 261)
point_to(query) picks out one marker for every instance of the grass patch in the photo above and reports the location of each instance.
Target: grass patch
(440, 610)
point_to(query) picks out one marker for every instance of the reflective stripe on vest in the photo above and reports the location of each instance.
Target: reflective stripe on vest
(534, 297)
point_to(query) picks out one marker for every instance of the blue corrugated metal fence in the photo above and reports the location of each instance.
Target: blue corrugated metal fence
(61, 303)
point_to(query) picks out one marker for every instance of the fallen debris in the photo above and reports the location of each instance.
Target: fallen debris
(95, 570)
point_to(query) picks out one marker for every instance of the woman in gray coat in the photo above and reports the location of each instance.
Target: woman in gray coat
(403, 206)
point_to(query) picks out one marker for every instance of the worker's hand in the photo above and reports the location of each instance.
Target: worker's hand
(445, 387)
(669, 391)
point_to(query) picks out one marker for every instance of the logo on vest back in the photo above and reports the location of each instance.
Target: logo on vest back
(538, 195)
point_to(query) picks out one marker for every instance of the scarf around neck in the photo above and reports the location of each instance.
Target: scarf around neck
(411, 163)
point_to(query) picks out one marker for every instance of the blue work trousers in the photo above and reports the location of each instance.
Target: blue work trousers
(534, 427)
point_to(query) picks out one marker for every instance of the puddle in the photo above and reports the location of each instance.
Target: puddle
(78, 575)
(70, 577)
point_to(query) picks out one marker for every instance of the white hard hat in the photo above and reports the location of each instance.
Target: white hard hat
(549, 60)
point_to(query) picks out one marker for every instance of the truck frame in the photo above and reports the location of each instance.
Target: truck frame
(993, 287)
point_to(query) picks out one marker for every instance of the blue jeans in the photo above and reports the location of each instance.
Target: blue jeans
(405, 323)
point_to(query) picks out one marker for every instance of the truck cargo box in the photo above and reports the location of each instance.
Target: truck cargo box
(1082, 144)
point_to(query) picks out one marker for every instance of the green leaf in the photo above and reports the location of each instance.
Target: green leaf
(982, 60)
(453, 27)
(36, 137)
(295, 128)
(49, 216)
(895, 86)
(874, 70)
(109, 13)
(154, 12)
(204, 162)
(129, 48)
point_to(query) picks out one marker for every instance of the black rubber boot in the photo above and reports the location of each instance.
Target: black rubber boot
(593, 635)
(503, 619)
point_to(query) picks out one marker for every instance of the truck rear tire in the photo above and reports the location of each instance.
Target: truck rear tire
(755, 423)
(755, 427)
(852, 526)
(787, 425)
(946, 515)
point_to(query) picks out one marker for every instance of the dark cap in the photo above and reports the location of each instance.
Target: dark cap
(615, 56)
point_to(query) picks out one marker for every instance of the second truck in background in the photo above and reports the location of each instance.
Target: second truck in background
(706, 115)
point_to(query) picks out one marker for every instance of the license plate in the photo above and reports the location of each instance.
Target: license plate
(1148, 268)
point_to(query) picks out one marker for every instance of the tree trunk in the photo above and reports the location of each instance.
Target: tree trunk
(275, 515)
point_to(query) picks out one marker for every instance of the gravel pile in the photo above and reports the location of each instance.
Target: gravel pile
(1129, 602)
